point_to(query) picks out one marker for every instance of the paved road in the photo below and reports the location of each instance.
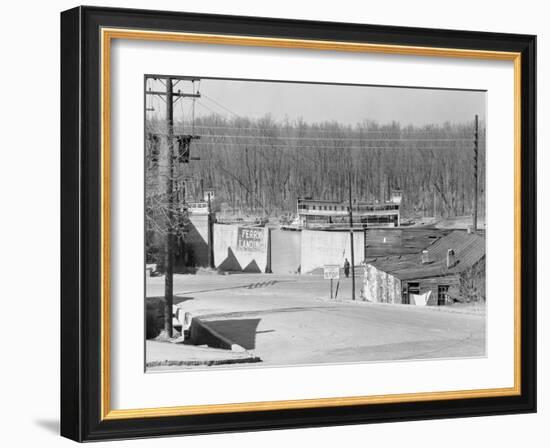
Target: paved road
(287, 319)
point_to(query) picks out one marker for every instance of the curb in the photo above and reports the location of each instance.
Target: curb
(207, 362)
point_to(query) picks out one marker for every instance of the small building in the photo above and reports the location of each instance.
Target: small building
(316, 213)
(450, 269)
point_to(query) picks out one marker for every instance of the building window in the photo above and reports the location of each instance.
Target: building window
(414, 288)
(442, 294)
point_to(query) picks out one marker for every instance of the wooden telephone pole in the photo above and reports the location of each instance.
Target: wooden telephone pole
(169, 170)
(169, 241)
(476, 149)
(351, 241)
(210, 234)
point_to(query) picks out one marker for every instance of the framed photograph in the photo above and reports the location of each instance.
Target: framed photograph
(272, 223)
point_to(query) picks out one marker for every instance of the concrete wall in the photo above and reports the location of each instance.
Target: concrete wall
(234, 252)
(322, 247)
(285, 251)
(197, 240)
(380, 287)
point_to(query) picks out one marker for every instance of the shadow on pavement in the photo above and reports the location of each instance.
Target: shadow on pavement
(180, 299)
(239, 331)
(255, 285)
(158, 301)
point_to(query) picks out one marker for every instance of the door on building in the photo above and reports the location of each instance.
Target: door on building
(412, 288)
(442, 294)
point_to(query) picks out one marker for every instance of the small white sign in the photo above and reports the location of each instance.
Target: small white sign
(331, 271)
(207, 194)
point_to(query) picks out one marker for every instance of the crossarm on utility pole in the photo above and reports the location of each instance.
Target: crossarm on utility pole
(177, 94)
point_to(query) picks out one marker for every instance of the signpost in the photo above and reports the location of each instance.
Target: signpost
(208, 195)
(331, 272)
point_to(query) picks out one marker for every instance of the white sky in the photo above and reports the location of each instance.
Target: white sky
(329, 102)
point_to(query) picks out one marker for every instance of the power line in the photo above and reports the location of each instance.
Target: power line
(320, 131)
(208, 108)
(263, 145)
(306, 130)
(222, 106)
(278, 137)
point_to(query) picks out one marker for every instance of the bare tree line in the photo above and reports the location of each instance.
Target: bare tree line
(264, 164)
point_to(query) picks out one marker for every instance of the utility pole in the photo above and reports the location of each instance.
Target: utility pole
(169, 242)
(170, 169)
(364, 241)
(210, 235)
(476, 148)
(351, 241)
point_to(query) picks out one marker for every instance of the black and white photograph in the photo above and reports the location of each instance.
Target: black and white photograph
(275, 224)
(292, 223)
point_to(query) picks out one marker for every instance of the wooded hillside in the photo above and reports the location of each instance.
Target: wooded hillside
(266, 165)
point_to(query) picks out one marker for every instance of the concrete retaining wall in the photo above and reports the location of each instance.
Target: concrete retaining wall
(285, 251)
(197, 240)
(241, 248)
(323, 247)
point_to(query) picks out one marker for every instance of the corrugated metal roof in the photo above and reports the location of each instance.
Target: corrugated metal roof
(469, 249)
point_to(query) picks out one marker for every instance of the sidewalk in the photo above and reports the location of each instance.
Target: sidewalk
(164, 355)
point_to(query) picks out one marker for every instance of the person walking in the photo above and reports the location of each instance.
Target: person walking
(346, 268)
